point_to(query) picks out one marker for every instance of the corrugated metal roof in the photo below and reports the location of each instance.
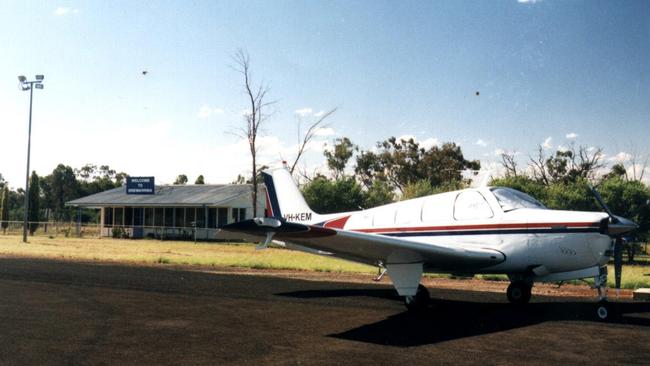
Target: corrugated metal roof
(190, 195)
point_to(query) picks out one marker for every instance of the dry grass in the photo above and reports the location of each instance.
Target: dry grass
(221, 255)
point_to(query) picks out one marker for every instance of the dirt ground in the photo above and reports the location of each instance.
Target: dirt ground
(58, 312)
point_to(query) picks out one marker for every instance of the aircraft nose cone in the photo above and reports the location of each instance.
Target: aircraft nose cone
(621, 226)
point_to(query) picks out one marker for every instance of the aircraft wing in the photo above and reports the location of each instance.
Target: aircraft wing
(367, 248)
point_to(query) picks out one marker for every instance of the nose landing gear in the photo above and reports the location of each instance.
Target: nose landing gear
(604, 310)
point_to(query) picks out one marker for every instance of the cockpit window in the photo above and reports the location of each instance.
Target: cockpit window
(511, 199)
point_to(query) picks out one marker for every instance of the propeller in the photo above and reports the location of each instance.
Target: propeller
(616, 227)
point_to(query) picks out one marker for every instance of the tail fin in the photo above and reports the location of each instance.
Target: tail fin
(283, 198)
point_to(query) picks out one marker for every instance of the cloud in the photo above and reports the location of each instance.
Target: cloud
(481, 142)
(499, 152)
(304, 112)
(621, 157)
(319, 114)
(548, 143)
(571, 135)
(529, 1)
(207, 111)
(324, 132)
(562, 148)
(60, 11)
(429, 143)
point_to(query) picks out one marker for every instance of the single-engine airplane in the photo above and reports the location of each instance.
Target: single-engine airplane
(488, 230)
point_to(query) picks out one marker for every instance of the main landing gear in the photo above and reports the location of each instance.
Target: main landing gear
(419, 301)
(519, 292)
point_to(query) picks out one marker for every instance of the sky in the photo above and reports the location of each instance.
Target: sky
(491, 76)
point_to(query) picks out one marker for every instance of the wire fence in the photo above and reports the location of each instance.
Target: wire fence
(75, 229)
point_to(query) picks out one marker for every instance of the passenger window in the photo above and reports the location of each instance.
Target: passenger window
(471, 205)
(437, 208)
(409, 212)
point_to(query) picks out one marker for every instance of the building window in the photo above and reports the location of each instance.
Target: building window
(212, 218)
(108, 216)
(138, 218)
(169, 217)
(159, 217)
(223, 216)
(190, 217)
(119, 216)
(128, 216)
(148, 217)
(180, 217)
(200, 217)
(238, 214)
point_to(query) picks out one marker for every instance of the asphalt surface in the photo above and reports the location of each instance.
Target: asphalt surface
(84, 313)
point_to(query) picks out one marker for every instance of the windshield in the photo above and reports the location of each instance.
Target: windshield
(511, 199)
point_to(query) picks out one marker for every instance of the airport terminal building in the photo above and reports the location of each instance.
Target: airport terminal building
(173, 212)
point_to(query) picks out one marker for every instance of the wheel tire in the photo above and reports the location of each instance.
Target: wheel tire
(519, 292)
(606, 311)
(419, 302)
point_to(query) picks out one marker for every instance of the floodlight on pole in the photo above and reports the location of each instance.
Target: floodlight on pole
(29, 85)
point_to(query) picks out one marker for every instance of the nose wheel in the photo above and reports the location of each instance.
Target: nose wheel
(519, 292)
(419, 301)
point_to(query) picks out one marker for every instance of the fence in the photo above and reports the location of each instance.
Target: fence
(74, 229)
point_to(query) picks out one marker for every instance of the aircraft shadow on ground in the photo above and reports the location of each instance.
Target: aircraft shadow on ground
(446, 320)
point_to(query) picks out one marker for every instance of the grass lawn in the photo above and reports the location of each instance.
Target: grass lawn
(222, 255)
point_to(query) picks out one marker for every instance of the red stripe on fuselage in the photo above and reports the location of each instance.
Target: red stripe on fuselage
(479, 227)
(337, 223)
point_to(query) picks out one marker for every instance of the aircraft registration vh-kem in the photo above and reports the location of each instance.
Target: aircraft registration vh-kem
(487, 230)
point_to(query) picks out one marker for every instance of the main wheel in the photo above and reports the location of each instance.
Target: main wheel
(419, 302)
(519, 292)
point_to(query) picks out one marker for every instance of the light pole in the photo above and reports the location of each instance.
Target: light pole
(29, 85)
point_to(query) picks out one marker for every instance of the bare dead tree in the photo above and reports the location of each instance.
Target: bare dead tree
(309, 135)
(255, 116)
(538, 166)
(509, 163)
(638, 168)
(585, 163)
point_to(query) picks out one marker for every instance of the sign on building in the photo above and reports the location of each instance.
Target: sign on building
(140, 185)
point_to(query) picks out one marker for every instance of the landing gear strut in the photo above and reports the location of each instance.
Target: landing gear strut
(519, 292)
(419, 301)
(604, 309)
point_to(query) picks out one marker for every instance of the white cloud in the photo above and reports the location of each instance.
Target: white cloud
(304, 112)
(571, 135)
(60, 11)
(429, 143)
(324, 132)
(548, 143)
(499, 152)
(319, 114)
(481, 142)
(621, 157)
(529, 1)
(206, 111)
(562, 148)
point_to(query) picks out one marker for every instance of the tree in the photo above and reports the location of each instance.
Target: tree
(199, 180)
(309, 135)
(254, 117)
(328, 196)
(337, 159)
(58, 188)
(566, 166)
(4, 208)
(34, 202)
(400, 162)
(379, 193)
(181, 179)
